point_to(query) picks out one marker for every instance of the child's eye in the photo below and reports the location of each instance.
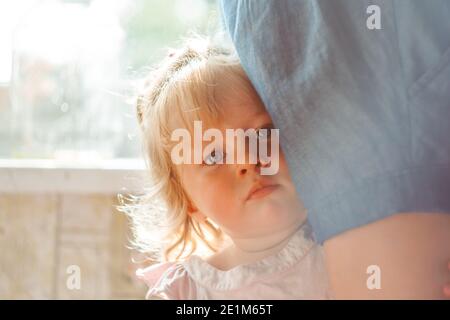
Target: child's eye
(214, 157)
(263, 133)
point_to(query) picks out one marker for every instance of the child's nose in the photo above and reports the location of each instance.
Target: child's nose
(252, 161)
(246, 168)
(243, 169)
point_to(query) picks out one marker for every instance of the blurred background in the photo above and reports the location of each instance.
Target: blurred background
(69, 141)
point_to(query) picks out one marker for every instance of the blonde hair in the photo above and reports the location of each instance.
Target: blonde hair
(181, 89)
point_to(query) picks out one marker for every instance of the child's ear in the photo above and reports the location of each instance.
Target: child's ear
(195, 213)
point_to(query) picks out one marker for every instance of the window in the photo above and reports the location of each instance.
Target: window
(67, 70)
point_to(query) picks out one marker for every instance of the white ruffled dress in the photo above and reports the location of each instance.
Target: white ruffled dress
(295, 272)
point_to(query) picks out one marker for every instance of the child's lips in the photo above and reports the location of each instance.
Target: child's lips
(262, 191)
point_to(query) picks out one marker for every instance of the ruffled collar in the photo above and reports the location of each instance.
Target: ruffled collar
(205, 274)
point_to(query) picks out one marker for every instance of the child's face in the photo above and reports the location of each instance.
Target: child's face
(220, 192)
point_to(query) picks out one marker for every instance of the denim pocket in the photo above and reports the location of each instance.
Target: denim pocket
(429, 76)
(429, 106)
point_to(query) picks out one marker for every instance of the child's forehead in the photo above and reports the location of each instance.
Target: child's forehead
(242, 110)
(243, 119)
(234, 105)
(240, 117)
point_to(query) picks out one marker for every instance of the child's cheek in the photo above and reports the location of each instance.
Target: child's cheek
(221, 195)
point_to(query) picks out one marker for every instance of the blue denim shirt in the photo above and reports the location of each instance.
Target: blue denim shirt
(364, 114)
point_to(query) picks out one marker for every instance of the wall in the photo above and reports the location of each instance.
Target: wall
(41, 235)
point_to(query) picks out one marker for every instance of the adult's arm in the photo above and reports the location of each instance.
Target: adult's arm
(363, 117)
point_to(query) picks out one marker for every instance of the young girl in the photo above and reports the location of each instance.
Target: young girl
(254, 225)
(220, 231)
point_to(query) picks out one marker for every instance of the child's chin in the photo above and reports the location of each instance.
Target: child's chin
(275, 210)
(275, 201)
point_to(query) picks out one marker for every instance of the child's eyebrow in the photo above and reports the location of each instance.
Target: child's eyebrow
(260, 117)
(268, 125)
(256, 128)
